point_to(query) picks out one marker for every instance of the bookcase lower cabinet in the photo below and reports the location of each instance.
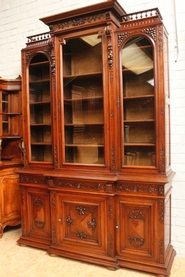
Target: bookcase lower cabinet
(35, 209)
(83, 220)
(143, 227)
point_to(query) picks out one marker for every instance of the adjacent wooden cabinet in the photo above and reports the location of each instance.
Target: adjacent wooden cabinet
(10, 152)
(96, 182)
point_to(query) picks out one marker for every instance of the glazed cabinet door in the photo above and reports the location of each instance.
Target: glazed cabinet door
(83, 101)
(138, 96)
(80, 225)
(37, 112)
(35, 217)
(40, 109)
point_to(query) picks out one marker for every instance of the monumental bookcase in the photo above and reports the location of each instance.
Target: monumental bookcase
(96, 182)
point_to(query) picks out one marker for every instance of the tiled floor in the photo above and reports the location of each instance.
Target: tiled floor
(16, 261)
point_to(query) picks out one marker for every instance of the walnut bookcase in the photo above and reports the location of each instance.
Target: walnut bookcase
(96, 182)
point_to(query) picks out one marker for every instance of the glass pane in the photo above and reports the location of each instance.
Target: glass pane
(5, 128)
(40, 110)
(5, 107)
(83, 101)
(138, 103)
(5, 116)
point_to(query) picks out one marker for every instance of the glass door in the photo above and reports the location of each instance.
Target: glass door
(40, 109)
(83, 100)
(138, 120)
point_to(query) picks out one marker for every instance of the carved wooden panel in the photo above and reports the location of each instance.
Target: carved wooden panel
(38, 215)
(136, 227)
(80, 218)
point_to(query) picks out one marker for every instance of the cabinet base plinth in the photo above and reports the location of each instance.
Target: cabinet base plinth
(160, 270)
(26, 241)
(99, 259)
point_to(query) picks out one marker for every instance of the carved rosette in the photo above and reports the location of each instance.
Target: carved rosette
(92, 223)
(81, 210)
(81, 235)
(69, 220)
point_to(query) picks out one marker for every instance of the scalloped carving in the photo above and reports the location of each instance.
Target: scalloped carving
(136, 242)
(136, 214)
(38, 202)
(138, 188)
(151, 32)
(32, 180)
(78, 21)
(80, 185)
(122, 37)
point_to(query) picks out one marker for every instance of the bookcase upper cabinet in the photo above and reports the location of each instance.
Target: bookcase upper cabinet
(97, 174)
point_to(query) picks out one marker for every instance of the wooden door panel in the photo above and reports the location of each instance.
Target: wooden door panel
(81, 221)
(38, 213)
(136, 227)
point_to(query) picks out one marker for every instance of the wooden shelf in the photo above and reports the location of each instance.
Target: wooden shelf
(40, 81)
(83, 99)
(145, 144)
(138, 97)
(39, 64)
(84, 145)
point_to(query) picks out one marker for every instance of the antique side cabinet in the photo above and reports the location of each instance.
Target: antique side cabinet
(96, 182)
(10, 152)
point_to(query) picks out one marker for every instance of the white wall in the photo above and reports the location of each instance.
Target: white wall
(20, 19)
